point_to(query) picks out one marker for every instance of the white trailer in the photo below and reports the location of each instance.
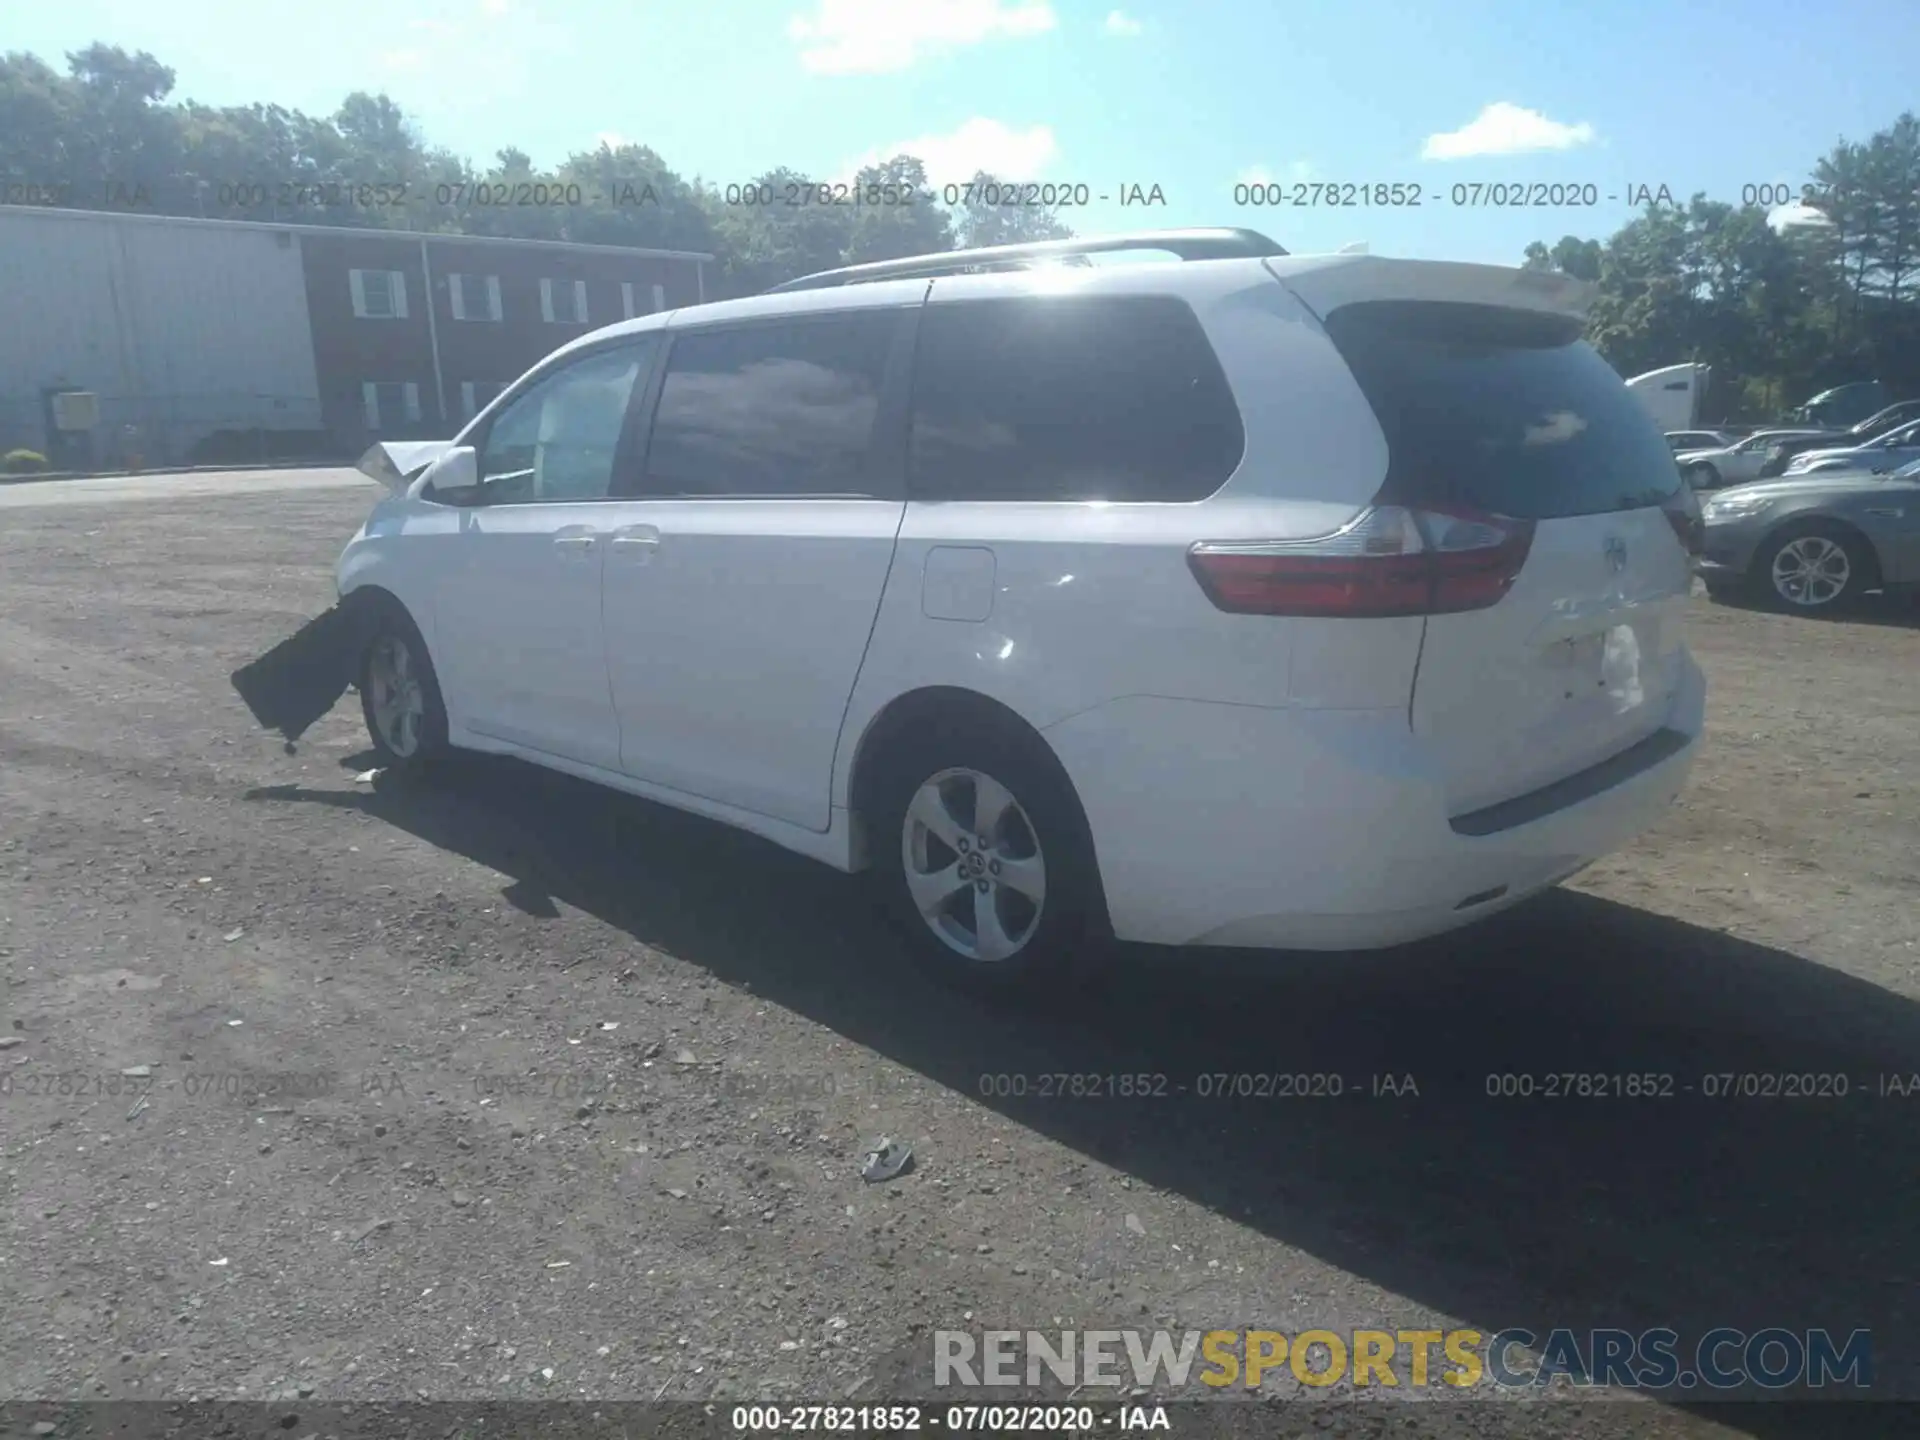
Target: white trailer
(1674, 395)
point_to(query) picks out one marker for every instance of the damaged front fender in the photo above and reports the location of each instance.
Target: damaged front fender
(396, 464)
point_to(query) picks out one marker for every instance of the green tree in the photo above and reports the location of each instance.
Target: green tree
(122, 140)
(980, 218)
(38, 128)
(762, 239)
(890, 231)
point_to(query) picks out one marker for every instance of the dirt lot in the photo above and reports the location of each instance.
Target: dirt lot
(504, 1086)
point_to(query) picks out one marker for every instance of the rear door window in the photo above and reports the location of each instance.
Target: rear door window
(1500, 410)
(1070, 397)
(778, 410)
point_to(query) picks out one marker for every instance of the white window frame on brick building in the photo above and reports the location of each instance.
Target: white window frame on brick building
(379, 418)
(378, 294)
(472, 402)
(474, 297)
(550, 312)
(627, 288)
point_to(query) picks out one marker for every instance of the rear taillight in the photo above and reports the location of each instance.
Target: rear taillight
(1389, 560)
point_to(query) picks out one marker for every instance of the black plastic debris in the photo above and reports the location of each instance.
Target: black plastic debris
(885, 1159)
(300, 679)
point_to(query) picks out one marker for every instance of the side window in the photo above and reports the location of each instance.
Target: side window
(559, 440)
(786, 408)
(1070, 398)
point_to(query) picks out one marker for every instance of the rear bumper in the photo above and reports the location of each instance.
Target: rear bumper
(1326, 830)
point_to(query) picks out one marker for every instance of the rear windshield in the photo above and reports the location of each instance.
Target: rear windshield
(1501, 410)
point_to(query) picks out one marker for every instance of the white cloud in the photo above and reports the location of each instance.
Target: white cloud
(867, 37)
(980, 144)
(1796, 216)
(493, 7)
(612, 139)
(1505, 129)
(1121, 23)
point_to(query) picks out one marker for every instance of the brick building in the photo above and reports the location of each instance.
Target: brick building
(491, 309)
(322, 336)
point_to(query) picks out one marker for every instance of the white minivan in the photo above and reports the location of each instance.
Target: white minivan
(1253, 600)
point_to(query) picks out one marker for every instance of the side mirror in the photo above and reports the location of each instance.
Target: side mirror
(453, 479)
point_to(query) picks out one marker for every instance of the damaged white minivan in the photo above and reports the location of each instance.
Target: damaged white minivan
(1263, 600)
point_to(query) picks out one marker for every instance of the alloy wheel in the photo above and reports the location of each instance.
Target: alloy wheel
(973, 865)
(398, 702)
(1811, 571)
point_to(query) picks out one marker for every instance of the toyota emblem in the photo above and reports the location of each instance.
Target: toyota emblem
(1616, 554)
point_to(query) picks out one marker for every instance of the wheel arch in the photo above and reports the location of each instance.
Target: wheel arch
(371, 593)
(914, 713)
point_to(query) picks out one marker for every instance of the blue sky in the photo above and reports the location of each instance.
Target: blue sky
(1193, 97)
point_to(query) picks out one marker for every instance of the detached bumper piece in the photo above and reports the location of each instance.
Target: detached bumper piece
(300, 679)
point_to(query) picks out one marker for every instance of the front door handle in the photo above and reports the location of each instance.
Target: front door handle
(575, 545)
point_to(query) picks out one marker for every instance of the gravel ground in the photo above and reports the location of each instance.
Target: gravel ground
(506, 1087)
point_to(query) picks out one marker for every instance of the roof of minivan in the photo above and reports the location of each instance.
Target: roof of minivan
(1334, 278)
(1164, 277)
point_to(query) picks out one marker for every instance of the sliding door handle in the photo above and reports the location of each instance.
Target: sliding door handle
(636, 543)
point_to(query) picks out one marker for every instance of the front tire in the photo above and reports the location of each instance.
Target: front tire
(400, 693)
(984, 863)
(1815, 569)
(1703, 477)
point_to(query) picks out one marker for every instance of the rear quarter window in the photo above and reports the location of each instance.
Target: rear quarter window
(1070, 397)
(1500, 410)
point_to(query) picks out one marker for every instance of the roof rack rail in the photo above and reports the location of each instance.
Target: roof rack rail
(1202, 244)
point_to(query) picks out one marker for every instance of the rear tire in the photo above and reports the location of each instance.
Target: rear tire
(1815, 568)
(1011, 915)
(400, 693)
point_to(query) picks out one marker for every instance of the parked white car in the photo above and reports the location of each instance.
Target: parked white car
(1891, 451)
(1262, 600)
(1737, 463)
(1678, 440)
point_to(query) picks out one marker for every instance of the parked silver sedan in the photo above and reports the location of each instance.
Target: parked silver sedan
(1891, 451)
(1678, 440)
(1812, 542)
(1731, 464)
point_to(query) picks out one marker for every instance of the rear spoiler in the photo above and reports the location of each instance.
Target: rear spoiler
(397, 463)
(1327, 282)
